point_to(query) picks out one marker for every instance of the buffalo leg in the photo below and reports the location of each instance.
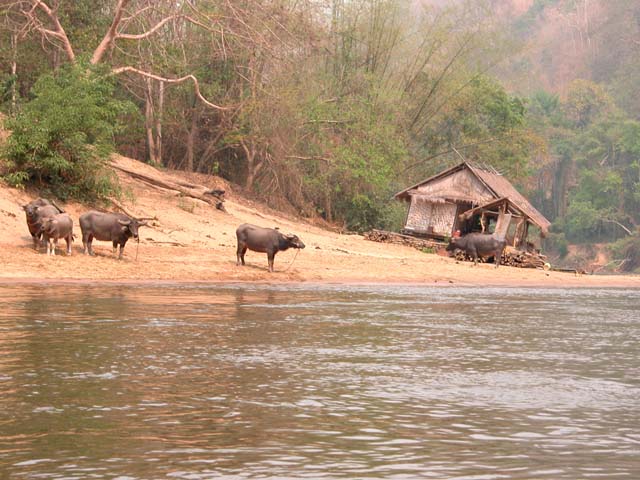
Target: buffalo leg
(270, 257)
(86, 244)
(115, 248)
(68, 240)
(474, 253)
(36, 241)
(122, 249)
(240, 254)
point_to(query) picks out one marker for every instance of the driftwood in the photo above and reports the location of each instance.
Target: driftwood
(199, 192)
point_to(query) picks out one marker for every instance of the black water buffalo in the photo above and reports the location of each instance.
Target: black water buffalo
(36, 211)
(110, 227)
(479, 245)
(266, 240)
(57, 227)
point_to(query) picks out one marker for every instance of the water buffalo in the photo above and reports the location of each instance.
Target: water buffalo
(110, 227)
(479, 245)
(57, 227)
(266, 240)
(36, 211)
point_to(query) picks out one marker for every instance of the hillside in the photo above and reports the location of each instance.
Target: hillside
(193, 241)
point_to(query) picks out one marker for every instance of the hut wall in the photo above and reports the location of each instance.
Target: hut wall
(462, 185)
(419, 215)
(428, 217)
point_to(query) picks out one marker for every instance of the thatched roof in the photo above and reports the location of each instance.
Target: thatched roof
(497, 185)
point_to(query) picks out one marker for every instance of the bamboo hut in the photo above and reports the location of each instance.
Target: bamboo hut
(470, 198)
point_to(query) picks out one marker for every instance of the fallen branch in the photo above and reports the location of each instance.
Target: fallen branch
(120, 207)
(174, 244)
(157, 182)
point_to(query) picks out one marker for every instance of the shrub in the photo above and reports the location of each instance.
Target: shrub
(627, 249)
(62, 138)
(556, 243)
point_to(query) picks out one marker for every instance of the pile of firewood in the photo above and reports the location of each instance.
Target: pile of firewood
(513, 258)
(522, 259)
(399, 239)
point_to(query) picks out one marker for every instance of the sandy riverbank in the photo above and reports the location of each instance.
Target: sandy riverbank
(194, 242)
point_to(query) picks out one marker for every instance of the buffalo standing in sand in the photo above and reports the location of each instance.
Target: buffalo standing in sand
(36, 211)
(479, 245)
(109, 227)
(57, 227)
(266, 240)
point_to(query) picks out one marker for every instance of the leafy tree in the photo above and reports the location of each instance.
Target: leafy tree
(63, 136)
(585, 102)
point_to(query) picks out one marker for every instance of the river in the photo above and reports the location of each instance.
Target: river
(198, 382)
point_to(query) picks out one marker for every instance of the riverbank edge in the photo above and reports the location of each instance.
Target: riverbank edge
(609, 285)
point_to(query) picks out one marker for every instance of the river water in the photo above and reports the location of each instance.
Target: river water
(358, 382)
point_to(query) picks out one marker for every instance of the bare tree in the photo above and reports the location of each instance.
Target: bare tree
(42, 17)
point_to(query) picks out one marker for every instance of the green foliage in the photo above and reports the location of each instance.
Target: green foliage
(627, 250)
(556, 243)
(7, 83)
(366, 151)
(596, 176)
(63, 136)
(492, 123)
(585, 102)
(582, 221)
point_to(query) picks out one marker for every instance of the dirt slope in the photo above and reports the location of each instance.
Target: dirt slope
(192, 241)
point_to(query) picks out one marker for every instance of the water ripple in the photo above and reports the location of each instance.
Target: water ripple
(367, 382)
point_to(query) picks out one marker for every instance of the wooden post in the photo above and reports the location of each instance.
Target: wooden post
(518, 237)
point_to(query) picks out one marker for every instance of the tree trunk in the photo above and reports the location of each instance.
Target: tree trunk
(158, 121)
(191, 138)
(14, 71)
(254, 165)
(153, 122)
(148, 124)
(328, 208)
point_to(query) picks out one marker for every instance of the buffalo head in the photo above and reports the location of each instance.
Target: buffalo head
(293, 241)
(453, 244)
(130, 227)
(47, 225)
(30, 210)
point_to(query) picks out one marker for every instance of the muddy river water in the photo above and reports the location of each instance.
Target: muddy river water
(197, 382)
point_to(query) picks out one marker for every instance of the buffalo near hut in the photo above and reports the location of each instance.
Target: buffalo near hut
(36, 211)
(109, 227)
(266, 240)
(57, 227)
(479, 245)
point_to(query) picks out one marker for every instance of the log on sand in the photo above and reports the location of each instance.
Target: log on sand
(199, 192)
